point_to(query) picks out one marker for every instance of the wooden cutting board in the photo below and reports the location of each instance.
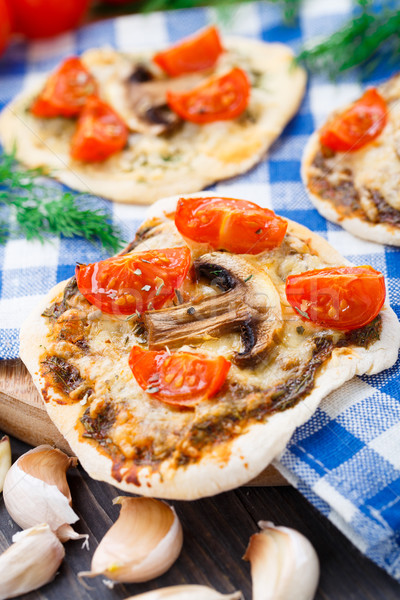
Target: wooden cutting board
(23, 415)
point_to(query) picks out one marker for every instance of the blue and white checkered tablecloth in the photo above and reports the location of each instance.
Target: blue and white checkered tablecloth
(346, 459)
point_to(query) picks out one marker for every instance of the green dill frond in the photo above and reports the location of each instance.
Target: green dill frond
(40, 209)
(355, 44)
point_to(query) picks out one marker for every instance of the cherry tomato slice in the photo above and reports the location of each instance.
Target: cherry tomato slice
(361, 123)
(100, 132)
(217, 99)
(134, 282)
(181, 378)
(66, 91)
(198, 52)
(343, 298)
(238, 226)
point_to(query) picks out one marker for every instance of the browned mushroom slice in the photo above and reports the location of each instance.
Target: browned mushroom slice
(249, 303)
(146, 109)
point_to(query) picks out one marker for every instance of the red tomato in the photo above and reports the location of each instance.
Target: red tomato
(5, 25)
(357, 125)
(343, 298)
(180, 378)
(198, 52)
(217, 99)
(133, 282)
(66, 91)
(228, 224)
(44, 18)
(100, 132)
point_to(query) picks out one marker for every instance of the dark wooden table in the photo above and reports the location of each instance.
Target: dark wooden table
(216, 533)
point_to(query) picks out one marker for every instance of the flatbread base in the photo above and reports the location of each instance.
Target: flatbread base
(208, 153)
(249, 453)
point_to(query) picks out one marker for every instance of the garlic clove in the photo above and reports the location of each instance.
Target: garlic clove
(183, 592)
(284, 564)
(5, 459)
(36, 491)
(30, 562)
(142, 544)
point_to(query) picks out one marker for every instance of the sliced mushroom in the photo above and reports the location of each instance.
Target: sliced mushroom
(146, 102)
(249, 304)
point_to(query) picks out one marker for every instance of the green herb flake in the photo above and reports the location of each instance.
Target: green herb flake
(303, 314)
(248, 278)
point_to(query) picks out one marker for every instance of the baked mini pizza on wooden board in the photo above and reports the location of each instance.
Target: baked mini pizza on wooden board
(181, 367)
(136, 127)
(351, 165)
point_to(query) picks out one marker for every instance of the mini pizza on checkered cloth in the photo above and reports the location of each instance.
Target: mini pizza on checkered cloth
(152, 124)
(181, 367)
(351, 165)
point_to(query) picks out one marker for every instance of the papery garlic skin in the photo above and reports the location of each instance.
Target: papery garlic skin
(30, 562)
(284, 564)
(5, 459)
(142, 544)
(186, 592)
(36, 491)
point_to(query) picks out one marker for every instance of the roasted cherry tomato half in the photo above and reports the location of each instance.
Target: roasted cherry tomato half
(228, 224)
(180, 378)
(44, 18)
(358, 125)
(134, 282)
(198, 52)
(217, 99)
(100, 132)
(343, 298)
(66, 91)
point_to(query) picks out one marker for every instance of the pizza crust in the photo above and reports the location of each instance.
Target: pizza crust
(247, 454)
(205, 157)
(382, 233)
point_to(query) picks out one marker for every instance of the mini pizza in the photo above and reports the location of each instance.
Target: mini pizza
(351, 165)
(135, 127)
(181, 367)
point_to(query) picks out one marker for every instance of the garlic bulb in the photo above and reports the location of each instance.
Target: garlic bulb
(284, 565)
(183, 592)
(30, 562)
(5, 458)
(143, 543)
(36, 491)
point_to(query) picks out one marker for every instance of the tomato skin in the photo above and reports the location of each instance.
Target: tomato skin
(45, 18)
(343, 298)
(181, 378)
(217, 99)
(5, 25)
(66, 91)
(238, 226)
(100, 132)
(195, 53)
(115, 285)
(358, 125)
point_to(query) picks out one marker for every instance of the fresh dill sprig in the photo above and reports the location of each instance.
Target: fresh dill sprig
(355, 44)
(41, 209)
(290, 7)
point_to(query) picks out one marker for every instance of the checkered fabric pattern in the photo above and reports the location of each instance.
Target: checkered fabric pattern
(346, 459)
